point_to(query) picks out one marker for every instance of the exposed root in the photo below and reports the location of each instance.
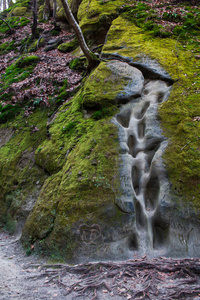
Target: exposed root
(161, 278)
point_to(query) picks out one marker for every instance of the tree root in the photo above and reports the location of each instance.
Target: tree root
(159, 278)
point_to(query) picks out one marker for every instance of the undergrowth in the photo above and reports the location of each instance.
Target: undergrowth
(16, 72)
(166, 22)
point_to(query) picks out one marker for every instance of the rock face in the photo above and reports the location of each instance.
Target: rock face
(5, 135)
(158, 223)
(144, 185)
(115, 82)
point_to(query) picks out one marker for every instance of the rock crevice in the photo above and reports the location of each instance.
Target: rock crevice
(143, 178)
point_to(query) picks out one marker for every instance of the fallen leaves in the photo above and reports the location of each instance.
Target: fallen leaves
(158, 278)
(46, 79)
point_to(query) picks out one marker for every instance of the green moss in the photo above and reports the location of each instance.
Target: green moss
(60, 15)
(95, 18)
(26, 61)
(16, 72)
(20, 177)
(19, 70)
(36, 45)
(182, 106)
(8, 111)
(13, 21)
(68, 47)
(55, 32)
(3, 47)
(82, 155)
(19, 11)
(107, 84)
(40, 12)
(78, 63)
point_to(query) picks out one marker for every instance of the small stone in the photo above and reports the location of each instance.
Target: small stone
(94, 162)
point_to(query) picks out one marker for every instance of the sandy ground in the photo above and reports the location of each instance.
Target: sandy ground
(21, 276)
(28, 277)
(17, 279)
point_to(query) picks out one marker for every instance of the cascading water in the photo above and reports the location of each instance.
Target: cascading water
(142, 182)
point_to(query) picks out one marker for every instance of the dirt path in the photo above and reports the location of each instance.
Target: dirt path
(17, 280)
(30, 278)
(22, 277)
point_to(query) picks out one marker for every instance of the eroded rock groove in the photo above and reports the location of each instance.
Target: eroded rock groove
(141, 141)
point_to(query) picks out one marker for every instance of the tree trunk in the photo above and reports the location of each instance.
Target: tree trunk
(4, 4)
(34, 27)
(93, 61)
(54, 10)
(47, 10)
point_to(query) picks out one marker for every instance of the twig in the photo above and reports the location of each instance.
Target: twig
(185, 145)
(10, 29)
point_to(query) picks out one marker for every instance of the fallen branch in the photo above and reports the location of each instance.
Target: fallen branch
(10, 29)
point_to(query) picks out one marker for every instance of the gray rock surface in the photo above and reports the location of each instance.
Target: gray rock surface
(134, 80)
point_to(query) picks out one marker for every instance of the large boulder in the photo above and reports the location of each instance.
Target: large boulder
(95, 18)
(114, 82)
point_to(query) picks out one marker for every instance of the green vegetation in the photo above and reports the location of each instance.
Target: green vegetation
(34, 45)
(149, 19)
(95, 18)
(14, 22)
(16, 72)
(68, 47)
(20, 177)
(180, 59)
(107, 83)
(91, 149)
(8, 112)
(79, 64)
(19, 11)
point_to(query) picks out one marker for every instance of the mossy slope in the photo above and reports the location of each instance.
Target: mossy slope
(20, 178)
(83, 155)
(179, 112)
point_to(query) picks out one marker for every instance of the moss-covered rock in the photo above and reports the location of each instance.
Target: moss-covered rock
(114, 83)
(95, 18)
(69, 46)
(127, 40)
(20, 178)
(82, 157)
(73, 4)
(36, 45)
(79, 64)
(19, 11)
(66, 181)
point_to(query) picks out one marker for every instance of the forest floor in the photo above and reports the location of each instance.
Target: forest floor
(30, 277)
